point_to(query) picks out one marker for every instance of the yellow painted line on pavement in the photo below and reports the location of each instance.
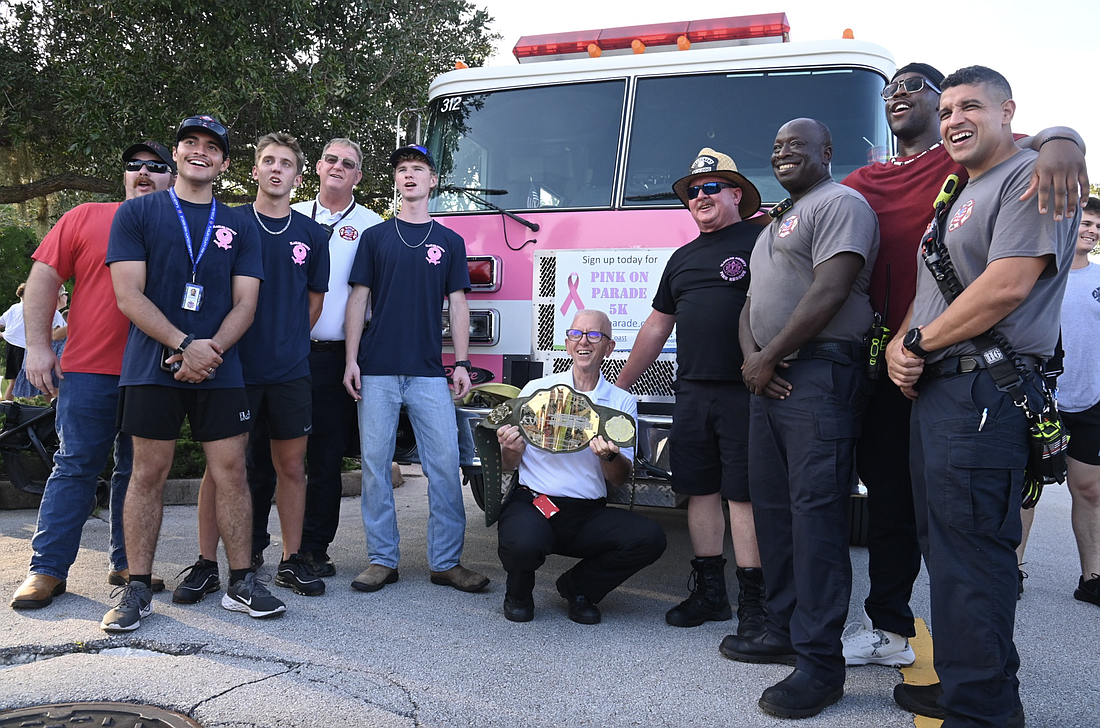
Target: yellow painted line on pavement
(922, 671)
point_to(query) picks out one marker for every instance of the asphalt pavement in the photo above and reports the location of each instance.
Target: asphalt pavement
(418, 654)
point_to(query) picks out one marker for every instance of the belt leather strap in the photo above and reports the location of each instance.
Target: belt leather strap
(558, 420)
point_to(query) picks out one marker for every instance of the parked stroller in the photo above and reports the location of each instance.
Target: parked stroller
(28, 442)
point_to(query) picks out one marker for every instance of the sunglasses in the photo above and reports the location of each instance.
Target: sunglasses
(709, 189)
(593, 337)
(135, 165)
(910, 85)
(344, 161)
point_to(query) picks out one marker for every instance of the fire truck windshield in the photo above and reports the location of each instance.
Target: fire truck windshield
(557, 146)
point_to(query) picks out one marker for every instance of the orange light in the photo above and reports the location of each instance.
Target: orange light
(683, 43)
(594, 50)
(459, 65)
(848, 34)
(637, 46)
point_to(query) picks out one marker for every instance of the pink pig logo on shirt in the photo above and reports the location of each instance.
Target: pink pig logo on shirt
(435, 254)
(298, 253)
(223, 238)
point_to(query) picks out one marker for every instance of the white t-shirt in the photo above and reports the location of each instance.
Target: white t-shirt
(12, 319)
(342, 245)
(573, 474)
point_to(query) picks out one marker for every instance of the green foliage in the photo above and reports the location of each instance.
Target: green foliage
(17, 242)
(83, 80)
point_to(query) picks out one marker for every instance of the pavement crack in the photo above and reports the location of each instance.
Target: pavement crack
(290, 667)
(26, 654)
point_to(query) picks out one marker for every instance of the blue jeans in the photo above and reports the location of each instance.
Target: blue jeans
(87, 405)
(432, 413)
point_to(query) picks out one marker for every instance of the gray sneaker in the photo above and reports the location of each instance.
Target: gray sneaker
(136, 602)
(249, 595)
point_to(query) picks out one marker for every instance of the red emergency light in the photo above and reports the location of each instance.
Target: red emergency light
(658, 36)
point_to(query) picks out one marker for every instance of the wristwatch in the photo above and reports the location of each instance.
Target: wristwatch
(465, 364)
(912, 343)
(610, 457)
(185, 343)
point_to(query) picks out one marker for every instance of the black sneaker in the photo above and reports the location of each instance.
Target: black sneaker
(249, 595)
(318, 562)
(294, 574)
(1088, 591)
(201, 579)
(136, 602)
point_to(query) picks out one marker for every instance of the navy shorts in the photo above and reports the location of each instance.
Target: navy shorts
(156, 413)
(286, 408)
(710, 439)
(1084, 434)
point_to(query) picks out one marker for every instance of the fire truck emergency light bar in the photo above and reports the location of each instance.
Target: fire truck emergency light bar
(763, 28)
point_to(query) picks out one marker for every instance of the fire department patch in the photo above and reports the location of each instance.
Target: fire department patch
(961, 216)
(349, 233)
(788, 226)
(734, 268)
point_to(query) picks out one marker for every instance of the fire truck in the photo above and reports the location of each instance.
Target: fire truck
(558, 174)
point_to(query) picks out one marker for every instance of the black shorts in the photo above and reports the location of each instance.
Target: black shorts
(710, 439)
(1084, 434)
(13, 360)
(156, 413)
(286, 408)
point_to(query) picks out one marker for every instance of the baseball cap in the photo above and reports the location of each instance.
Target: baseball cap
(413, 150)
(162, 152)
(208, 124)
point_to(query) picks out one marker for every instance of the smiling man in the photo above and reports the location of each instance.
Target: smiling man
(335, 430)
(186, 272)
(969, 439)
(802, 331)
(405, 271)
(702, 292)
(560, 505)
(85, 381)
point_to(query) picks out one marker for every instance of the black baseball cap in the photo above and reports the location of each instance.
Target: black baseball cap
(162, 152)
(414, 150)
(208, 124)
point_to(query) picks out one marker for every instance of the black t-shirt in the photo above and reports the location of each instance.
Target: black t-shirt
(704, 286)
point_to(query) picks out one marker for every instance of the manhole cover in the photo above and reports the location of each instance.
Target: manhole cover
(119, 715)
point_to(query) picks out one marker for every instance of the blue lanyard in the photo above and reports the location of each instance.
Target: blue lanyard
(187, 231)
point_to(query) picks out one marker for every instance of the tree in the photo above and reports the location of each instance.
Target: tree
(81, 80)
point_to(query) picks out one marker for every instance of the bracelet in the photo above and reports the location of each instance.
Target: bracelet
(610, 457)
(1052, 137)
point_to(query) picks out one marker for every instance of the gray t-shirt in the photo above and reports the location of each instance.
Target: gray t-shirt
(987, 222)
(1079, 387)
(829, 219)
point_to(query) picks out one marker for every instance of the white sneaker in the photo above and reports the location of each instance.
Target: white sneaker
(865, 645)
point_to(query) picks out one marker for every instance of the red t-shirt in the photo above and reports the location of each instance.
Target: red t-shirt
(77, 248)
(901, 194)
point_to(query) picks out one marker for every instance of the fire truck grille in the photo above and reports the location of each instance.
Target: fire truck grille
(656, 381)
(548, 273)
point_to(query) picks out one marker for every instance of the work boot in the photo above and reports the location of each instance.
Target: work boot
(708, 599)
(751, 609)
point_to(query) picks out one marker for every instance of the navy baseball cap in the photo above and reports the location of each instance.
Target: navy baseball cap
(414, 150)
(162, 152)
(208, 124)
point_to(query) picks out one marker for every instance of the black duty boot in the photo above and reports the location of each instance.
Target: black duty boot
(751, 609)
(708, 599)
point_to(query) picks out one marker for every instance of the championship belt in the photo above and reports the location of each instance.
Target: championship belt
(559, 420)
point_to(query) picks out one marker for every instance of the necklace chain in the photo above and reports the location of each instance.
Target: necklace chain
(272, 232)
(894, 160)
(398, 229)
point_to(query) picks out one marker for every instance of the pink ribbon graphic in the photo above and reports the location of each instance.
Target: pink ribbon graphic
(573, 297)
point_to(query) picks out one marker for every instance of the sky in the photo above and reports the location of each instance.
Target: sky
(1048, 51)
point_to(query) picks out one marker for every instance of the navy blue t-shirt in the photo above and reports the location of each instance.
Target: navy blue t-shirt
(408, 280)
(275, 348)
(148, 229)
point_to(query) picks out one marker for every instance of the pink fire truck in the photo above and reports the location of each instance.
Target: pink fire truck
(558, 174)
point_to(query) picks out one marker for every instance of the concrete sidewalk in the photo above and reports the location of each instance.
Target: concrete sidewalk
(417, 654)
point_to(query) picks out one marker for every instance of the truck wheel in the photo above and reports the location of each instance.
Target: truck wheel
(859, 520)
(476, 479)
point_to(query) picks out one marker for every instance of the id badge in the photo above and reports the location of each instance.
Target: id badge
(545, 505)
(192, 297)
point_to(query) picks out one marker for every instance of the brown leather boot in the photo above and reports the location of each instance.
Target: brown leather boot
(37, 591)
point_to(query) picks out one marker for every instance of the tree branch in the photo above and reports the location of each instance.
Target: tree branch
(55, 183)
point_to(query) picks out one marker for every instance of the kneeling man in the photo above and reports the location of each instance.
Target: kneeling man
(560, 504)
